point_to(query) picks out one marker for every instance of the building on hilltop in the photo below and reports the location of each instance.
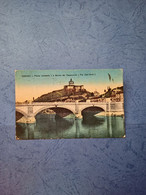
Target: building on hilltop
(71, 82)
(71, 88)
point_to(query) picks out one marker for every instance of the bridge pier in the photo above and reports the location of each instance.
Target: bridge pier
(27, 120)
(30, 119)
(78, 115)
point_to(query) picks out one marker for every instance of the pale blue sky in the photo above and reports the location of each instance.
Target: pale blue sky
(33, 83)
(79, 76)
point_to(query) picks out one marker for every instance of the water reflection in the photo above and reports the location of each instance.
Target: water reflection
(48, 126)
(93, 121)
(25, 131)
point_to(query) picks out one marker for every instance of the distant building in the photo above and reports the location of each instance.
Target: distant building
(71, 88)
(117, 95)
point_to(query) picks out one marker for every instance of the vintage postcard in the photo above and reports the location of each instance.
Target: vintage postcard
(55, 104)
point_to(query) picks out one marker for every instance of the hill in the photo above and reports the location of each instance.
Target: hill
(63, 95)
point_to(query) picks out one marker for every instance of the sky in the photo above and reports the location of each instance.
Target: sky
(34, 83)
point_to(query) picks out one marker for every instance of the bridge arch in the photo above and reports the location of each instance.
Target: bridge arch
(101, 108)
(52, 107)
(21, 111)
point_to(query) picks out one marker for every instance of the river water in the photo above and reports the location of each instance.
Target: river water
(52, 127)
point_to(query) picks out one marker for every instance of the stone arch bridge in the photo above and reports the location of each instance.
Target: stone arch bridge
(30, 110)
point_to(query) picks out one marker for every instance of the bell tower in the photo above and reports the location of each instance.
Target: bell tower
(71, 82)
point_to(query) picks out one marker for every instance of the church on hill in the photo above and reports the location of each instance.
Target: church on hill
(72, 88)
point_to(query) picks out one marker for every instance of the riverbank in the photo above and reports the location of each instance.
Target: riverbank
(110, 114)
(26, 120)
